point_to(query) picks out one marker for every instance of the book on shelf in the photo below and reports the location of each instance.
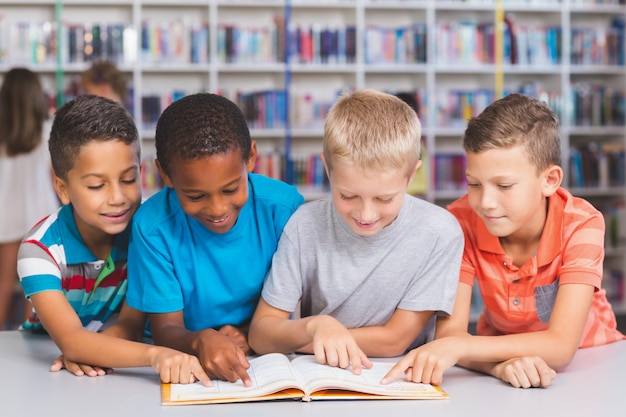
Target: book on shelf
(300, 377)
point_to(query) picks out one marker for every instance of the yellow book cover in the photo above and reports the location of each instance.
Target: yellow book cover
(277, 376)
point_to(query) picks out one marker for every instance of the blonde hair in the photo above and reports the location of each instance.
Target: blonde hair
(373, 130)
(23, 110)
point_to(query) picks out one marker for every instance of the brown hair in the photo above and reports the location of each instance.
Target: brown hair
(105, 72)
(517, 120)
(23, 110)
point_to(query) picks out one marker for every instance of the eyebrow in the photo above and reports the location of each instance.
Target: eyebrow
(95, 174)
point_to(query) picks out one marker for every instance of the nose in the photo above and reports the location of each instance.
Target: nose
(367, 211)
(487, 198)
(117, 196)
(217, 206)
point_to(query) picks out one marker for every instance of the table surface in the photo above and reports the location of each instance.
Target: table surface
(593, 385)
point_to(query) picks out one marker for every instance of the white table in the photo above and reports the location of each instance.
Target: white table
(594, 385)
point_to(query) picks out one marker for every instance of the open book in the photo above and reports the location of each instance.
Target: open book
(276, 376)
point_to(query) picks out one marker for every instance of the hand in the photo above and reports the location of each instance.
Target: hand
(335, 346)
(78, 369)
(525, 372)
(221, 357)
(427, 363)
(237, 336)
(177, 367)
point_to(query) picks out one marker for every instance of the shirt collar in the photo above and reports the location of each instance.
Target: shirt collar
(76, 252)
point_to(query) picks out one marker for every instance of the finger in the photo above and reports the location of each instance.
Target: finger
(403, 365)
(241, 370)
(165, 375)
(200, 374)
(73, 368)
(57, 365)
(511, 378)
(427, 371)
(355, 360)
(546, 376)
(91, 370)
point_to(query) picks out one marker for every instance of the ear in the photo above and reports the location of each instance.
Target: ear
(412, 175)
(60, 187)
(164, 177)
(252, 159)
(326, 169)
(552, 179)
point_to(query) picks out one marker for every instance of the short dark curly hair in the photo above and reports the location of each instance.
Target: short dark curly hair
(85, 119)
(200, 125)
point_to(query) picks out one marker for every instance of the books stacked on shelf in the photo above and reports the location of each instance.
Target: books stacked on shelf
(150, 177)
(251, 45)
(264, 109)
(599, 165)
(309, 170)
(27, 43)
(174, 42)
(86, 42)
(309, 111)
(449, 172)
(615, 220)
(153, 104)
(593, 46)
(464, 42)
(596, 104)
(531, 44)
(399, 45)
(455, 107)
(270, 164)
(318, 44)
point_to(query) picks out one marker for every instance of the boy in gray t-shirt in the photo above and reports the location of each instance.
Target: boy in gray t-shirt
(371, 267)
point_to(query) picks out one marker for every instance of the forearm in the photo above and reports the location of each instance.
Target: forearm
(99, 349)
(271, 334)
(377, 341)
(483, 352)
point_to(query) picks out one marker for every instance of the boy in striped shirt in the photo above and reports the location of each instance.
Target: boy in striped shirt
(535, 251)
(72, 265)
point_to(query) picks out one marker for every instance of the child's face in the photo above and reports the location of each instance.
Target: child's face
(103, 187)
(367, 201)
(506, 192)
(212, 189)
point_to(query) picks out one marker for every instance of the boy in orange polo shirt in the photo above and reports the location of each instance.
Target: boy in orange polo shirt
(535, 250)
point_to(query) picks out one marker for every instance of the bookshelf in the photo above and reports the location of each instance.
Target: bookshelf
(568, 52)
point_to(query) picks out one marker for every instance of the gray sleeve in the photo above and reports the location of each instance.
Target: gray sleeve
(438, 279)
(283, 285)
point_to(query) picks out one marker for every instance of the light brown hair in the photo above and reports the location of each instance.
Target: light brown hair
(517, 120)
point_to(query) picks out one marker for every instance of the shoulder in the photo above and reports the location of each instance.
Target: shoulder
(575, 212)
(269, 191)
(158, 210)
(422, 211)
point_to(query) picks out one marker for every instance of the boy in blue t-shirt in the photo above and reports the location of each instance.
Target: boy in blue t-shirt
(72, 265)
(201, 247)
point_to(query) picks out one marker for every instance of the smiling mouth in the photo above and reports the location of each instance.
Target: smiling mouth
(217, 221)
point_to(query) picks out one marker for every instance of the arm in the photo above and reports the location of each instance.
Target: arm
(220, 352)
(271, 330)
(102, 350)
(393, 338)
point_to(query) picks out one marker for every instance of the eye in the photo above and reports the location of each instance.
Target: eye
(386, 200)
(130, 180)
(194, 198)
(95, 187)
(231, 191)
(505, 186)
(473, 184)
(345, 197)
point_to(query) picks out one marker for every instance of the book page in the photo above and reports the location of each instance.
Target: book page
(324, 377)
(269, 373)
